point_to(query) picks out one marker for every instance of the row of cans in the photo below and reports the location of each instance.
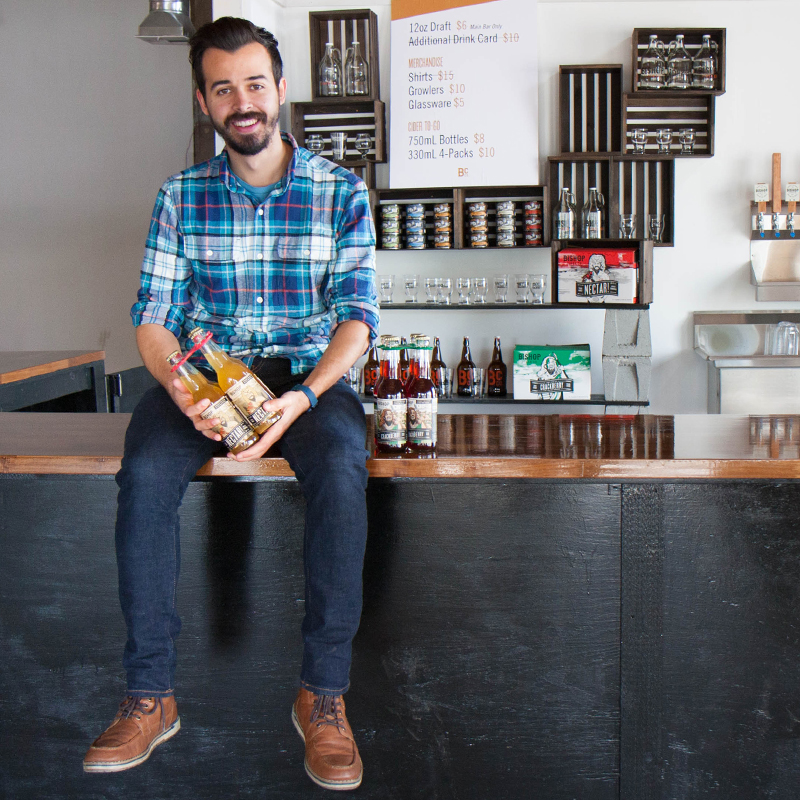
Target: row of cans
(397, 232)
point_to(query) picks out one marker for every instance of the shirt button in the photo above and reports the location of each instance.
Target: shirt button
(209, 253)
(259, 256)
(259, 299)
(260, 212)
(308, 252)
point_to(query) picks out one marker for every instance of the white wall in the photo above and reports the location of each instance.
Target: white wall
(93, 121)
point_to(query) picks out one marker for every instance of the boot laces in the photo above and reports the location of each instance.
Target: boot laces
(136, 706)
(328, 711)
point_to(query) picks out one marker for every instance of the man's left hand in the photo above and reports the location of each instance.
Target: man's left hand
(292, 404)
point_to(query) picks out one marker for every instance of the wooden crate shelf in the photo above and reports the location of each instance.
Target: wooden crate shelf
(580, 172)
(693, 39)
(342, 27)
(642, 186)
(348, 115)
(656, 109)
(590, 108)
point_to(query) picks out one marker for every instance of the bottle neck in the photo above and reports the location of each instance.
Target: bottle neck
(392, 364)
(424, 362)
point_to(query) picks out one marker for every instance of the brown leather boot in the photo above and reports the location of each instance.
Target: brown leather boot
(332, 758)
(141, 724)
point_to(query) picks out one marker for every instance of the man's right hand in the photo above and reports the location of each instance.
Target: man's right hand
(183, 399)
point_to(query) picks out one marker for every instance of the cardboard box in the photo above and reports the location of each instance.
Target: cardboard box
(552, 372)
(597, 275)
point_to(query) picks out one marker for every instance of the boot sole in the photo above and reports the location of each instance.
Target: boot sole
(120, 766)
(335, 786)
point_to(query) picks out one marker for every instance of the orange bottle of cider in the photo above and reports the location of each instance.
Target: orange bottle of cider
(423, 400)
(241, 385)
(391, 405)
(236, 432)
(372, 369)
(496, 372)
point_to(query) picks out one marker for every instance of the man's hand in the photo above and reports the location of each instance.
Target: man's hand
(183, 399)
(293, 404)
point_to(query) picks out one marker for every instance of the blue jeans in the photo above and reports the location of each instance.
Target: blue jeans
(326, 448)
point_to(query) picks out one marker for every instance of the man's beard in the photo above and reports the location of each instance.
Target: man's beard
(246, 144)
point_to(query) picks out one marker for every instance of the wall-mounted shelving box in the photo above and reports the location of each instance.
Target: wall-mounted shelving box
(693, 39)
(342, 28)
(590, 108)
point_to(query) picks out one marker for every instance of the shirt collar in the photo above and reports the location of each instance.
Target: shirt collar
(233, 184)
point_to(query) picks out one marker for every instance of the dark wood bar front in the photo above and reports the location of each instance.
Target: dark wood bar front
(555, 606)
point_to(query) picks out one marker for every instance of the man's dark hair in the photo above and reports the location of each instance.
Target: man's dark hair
(229, 34)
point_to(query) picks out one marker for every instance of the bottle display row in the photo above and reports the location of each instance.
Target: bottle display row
(671, 66)
(351, 80)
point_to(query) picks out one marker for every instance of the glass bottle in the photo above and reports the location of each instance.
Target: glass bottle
(330, 72)
(465, 372)
(382, 362)
(704, 65)
(405, 364)
(593, 215)
(356, 71)
(413, 359)
(372, 369)
(496, 372)
(242, 386)
(565, 223)
(679, 65)
(653, 67)
(391, 405)
(236, 432)
(423, 401)
(438, 367)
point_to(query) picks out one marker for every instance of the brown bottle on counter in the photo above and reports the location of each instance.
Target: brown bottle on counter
(405, 364)
(465, 372)
(235, 430)
(437, 367)
(496, 372)
(423, 401)
(391, 405)
(372, 370)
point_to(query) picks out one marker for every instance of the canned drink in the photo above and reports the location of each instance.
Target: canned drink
(390, 211)
(477, 224)
(415, 210)
(442, 227)
(415, 242)
(532, 238)
(391, 242)
(442, 241)
(505, 238)
(533, 205)
(442, 209)
(415, 224)
(477, 208)
(505, 207)
(478, 239)
(390, 225)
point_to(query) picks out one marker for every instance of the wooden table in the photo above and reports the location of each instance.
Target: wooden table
(555, 606)
(38, 376)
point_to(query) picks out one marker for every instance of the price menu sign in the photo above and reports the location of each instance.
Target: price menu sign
(464, 93)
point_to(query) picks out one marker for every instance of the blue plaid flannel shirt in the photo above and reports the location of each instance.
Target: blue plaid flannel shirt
(272, 280)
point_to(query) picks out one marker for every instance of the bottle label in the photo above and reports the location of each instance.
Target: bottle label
(593, 225)
(422, 420)
(390, 421)
(370, 379)
(232, 426)
(247, 395)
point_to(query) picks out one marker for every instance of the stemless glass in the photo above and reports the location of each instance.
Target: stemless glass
(655, 227)
(538, 285)
(314, 143)
(639, 140)
(463, 285)
(411, 284)
(386, 286)
(430, 290)
(627, 226)
(501, 288)
(664, 140)
(338, 145)
(480, 287)
(444, 290)
(522, 284)
(363, 144)
(686, 138)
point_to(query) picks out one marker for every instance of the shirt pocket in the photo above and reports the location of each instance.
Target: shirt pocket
(299, 271)
(215, 275)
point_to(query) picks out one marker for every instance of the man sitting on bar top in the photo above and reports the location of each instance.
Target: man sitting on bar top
(272, 249)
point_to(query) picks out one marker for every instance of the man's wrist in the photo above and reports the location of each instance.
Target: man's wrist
(312, 398)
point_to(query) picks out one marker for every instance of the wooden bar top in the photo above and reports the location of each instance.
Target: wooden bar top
(638, 447)
(22, 364)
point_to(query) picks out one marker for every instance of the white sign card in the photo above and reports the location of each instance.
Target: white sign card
(464, 93)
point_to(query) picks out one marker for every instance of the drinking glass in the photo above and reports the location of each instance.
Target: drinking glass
(353, 379)
(655, 227)
(785, 339)
(314, 143)
(444, 289)
(664, 139)
(627, 226)
(430, 290)
(522, 284)
(411, 284)
(538, 285)
(686, 138)
(463, 285)
(338, 141)
(386, 286)
(447, 383)
(477, 381)
(501, 288)
(363, 144)
(480, 287)
(639, 140)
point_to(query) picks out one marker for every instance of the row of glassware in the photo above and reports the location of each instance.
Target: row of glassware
(672, 67)
(529, 288)
(687, 138)
(362, 142)
(566, 220)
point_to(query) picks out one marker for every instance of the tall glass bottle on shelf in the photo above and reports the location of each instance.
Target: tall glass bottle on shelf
(391, 405)
(593, 215)
(653, 66)
(438, 367)
(246, 391)
(565, 218)
(356, 72)
(679, 65)
(330, 72)
(423, 401)
(496, 372)
(236, 432)
(372, 369)
(704, 65)
(465, 372)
